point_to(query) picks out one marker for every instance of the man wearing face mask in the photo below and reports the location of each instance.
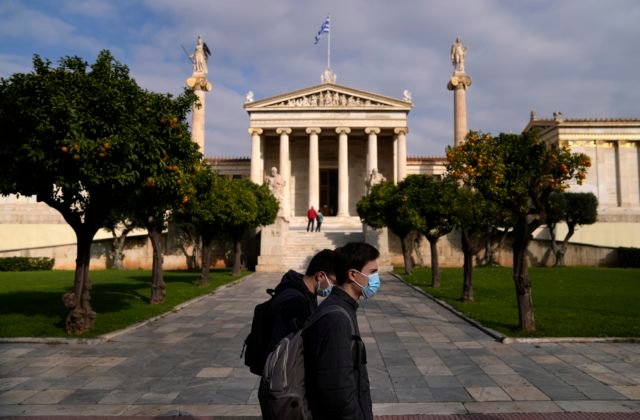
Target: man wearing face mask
(296, 295)
(336, 378)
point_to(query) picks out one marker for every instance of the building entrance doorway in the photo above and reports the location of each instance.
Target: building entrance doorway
(328, 191)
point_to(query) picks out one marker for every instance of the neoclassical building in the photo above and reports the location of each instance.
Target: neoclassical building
(325, 141)
(613, 144)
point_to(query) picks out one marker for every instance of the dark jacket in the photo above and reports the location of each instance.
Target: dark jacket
(336, 378)
(291, 306)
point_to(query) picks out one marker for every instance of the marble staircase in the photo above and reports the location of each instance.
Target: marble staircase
(300, 246)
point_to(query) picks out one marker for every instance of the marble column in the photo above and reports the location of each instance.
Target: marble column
(200, 85)
(401, 134)
(343, 171)
(629, 168)
(372, 155)
(314, 167)
(395, 159)
(257, 162)
(285, 169)
(458, 84)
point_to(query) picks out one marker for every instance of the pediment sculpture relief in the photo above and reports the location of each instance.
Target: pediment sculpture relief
(327, 98)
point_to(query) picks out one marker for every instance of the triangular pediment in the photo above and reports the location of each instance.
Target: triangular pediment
(329, 96)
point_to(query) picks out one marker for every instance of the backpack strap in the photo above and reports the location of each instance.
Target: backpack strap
(326, 310)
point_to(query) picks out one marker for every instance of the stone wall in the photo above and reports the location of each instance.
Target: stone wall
(138, 254)
(450, 253)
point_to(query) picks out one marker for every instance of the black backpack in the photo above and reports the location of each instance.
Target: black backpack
(256, 345)
(282, 387)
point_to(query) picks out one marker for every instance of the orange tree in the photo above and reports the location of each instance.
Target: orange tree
(164, 188)
(221, 207)
(574, 209)
(432, 199)
(478, 220)
(206, 212)
(390, 205)
(518, 172)
(83, 139)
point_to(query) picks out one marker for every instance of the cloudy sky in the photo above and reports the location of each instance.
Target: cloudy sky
(580, 57)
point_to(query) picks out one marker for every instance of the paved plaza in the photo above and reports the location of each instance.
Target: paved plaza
(422, 359)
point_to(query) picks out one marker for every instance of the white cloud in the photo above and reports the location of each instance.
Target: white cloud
(574, 56)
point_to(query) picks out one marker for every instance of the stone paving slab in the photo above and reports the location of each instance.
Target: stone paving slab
(423, 360)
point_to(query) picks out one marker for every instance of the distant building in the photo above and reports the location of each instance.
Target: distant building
(613, 145)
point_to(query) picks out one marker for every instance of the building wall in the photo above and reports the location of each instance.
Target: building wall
(450, 253)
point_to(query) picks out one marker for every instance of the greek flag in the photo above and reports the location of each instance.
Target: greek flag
(324, 28)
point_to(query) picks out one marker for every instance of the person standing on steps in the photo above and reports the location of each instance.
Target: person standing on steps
(319, 220)
(311, 217)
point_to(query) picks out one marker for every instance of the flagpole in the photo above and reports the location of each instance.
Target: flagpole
(329, 48)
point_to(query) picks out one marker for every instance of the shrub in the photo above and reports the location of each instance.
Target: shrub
(26, 264)
(629, 257)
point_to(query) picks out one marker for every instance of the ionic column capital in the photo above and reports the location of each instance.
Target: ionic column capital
(313, 130)
(401, 130)
(254, 130)
(343, 130)
(283, 130)
(460, 81)
(372, 130)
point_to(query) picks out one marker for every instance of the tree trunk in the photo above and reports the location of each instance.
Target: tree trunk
(206, 261)
(562, 250)
(435, 266)
(81, 316)
(158, 287)
(406, 255)
(521, 277)
(237, 255)
(554, 244)
(118, 248)
(468, 251)
(192, 258)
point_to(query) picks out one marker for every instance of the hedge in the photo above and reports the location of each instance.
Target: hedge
(629, 257)
(26, 264)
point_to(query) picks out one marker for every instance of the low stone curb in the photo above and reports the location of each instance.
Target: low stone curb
(492, 333)
(110, 336)
(512, 340)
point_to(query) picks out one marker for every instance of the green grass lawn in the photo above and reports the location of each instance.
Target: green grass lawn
(568, 301)
(31, 302)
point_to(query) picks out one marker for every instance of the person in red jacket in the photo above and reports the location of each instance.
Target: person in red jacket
(311, 216)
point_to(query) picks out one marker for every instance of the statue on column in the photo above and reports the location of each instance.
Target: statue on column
(458, 52)
(276, 183)
(375, 178)
(200, 57)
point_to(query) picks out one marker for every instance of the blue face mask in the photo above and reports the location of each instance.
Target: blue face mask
(372, 288)
(325, 292)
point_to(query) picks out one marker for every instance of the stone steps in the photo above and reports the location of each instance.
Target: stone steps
(301, 246)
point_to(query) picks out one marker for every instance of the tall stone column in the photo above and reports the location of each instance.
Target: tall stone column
(257, 162)
(401, 134)
(285, 169)
(200, 85)
(314, 167)
(372, 155)
(459, 83)
(343, 171)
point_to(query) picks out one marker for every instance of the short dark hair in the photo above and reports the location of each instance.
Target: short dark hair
(353, 256)
(323, 261)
